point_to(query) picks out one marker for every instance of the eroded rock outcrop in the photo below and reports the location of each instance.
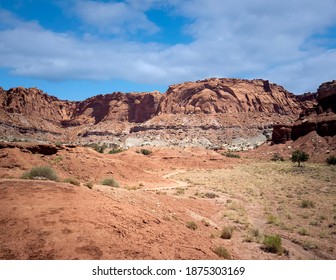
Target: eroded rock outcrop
(229, 96)
(321, 118)
(212, 112)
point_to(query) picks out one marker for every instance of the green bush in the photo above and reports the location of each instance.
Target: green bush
(191, 225)
(115, 151)
(231, 155)
(144, 152)
(98, 148)
(226, 233)
(331, 160)
(222, 252)
(299, 156)
(277, 157)
(72, 181)
(273, 244)
(110, 182)
(41, 172)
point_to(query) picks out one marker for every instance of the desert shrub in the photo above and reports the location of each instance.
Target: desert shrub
(226, 233)
(144, 152)
(299, 156)
(254, 235)
(211, 195)
(58, 159)
(110, 182)
(58, 144)
(306, 203)
(277, 157)
(41, 172)
(179, 191)
(303, 231)
(331, 160)
(273, 244)
(116, 151)
(271, 219)
(72, 181)
(191, 225)
(222, 252)
(89, 185)
(231, 155)
(98, 148)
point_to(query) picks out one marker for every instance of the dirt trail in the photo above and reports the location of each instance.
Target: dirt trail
(176, 183)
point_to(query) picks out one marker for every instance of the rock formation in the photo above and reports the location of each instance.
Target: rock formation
(213, 96)
(321, 118)
(211, 112)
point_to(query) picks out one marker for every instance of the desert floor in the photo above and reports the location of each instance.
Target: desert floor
(172, 204)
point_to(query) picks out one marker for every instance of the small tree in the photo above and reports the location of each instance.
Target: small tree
(299, 156)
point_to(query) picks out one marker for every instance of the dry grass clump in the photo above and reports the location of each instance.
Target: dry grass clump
(40, 173)
(211, 195)
(191, 225)
(307, 203)
(110, 182)
(89, 185)
(222, 252)
(72, 181)
(226, 232)
(331, 160)
(273, 244)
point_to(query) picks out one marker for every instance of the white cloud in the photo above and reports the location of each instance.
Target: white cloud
(234, 38)
(114, 17)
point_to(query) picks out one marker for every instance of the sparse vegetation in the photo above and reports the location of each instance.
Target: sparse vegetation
(211, 195)
(299, 156)
(191, 225)
(144, 152)
(303, 231)
(226, 232)
(110, 182)
(277, 157)
(179, 191)
(41, 173)
(231, 155)
(116, 151)
(273, 244)
(222, 252)
(331, 160)
(271, 219)
(98, 148)
(72, 181)
(307, 204)
(89, 185)
(58, 144)
(58, 159)
(254, 235)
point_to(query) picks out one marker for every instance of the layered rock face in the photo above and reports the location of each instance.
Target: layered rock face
(321, 118)
(229, 96)
(34, 103)
(212, 112)
(116, 107)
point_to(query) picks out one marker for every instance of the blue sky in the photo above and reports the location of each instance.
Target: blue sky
(75, 49)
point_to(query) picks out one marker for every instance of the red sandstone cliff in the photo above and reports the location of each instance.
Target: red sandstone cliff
(321, 118)
(239, 105)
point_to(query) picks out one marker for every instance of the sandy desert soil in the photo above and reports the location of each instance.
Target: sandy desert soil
(159, 199)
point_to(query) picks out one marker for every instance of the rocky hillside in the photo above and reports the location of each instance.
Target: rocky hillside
(228, 96)
(212, 112)
(321, 118)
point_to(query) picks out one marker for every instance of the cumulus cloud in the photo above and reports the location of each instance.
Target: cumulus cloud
(235, 38)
